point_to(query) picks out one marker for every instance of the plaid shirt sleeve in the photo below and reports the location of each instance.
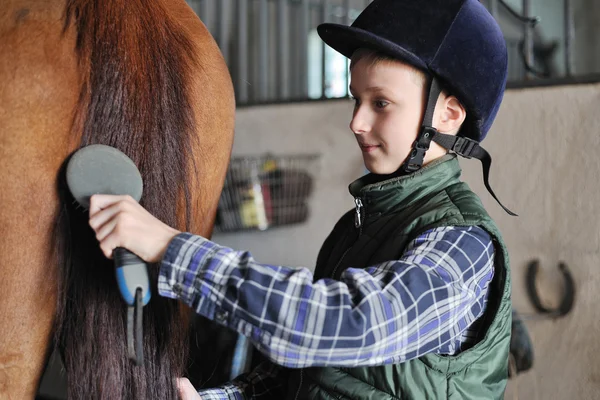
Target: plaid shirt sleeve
(387, 313)
(265, 382)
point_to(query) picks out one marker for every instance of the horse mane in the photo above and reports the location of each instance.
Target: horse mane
(135, 63)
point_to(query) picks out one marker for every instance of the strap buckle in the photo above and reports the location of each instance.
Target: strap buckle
(464, 146)
(415, 160)
(420, 147)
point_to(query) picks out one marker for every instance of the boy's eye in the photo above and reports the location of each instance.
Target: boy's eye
(381, 103)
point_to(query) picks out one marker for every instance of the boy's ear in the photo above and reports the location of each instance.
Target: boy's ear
(451, 115)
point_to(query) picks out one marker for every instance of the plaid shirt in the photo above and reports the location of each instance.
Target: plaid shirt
(426, 302)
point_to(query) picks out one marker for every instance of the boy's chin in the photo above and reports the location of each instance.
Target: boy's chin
(379, 169)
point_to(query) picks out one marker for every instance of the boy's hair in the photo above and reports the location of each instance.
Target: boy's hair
(375, 57)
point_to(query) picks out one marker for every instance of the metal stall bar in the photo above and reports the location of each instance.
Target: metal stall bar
(242, 51)
(346, 19)
(195, 6)
(222, 36)
(324, 15)
(204, 14)
(263, 50)
(493, 4)
(528, 39)
(283, 53)
(303, 47)
(569, 36)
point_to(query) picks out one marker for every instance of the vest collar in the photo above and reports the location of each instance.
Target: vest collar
(380, 193)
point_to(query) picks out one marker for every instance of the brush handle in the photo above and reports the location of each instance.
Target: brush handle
(132, 273)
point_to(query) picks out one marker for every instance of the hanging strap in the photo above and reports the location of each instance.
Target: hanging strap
(470, 148)
(135, 344)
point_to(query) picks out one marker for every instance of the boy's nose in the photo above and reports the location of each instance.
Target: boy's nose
(359, 124)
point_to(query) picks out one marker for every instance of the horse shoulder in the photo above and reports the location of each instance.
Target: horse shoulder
(39, 88)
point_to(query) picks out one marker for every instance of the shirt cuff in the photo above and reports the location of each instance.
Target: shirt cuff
(195, 270)
(176, 276)
(227, 392)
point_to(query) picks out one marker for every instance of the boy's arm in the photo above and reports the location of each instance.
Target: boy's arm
(388, 313)
(264, 382)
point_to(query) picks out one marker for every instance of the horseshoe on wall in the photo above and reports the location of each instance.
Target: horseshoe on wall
(568, 299)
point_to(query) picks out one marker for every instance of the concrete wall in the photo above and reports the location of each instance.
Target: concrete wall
(545, 148)
(320, 128)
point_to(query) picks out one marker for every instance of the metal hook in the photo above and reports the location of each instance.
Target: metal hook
(521, 347)
(532, 21)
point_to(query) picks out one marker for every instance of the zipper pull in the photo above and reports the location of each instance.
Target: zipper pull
(358, 220)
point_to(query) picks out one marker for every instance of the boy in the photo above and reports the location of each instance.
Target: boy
(411, 292)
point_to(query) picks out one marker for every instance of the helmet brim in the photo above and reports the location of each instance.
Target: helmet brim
(347, 39)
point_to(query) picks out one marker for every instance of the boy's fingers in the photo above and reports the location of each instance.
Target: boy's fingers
(109, 243)
(106, 229)
(101, 201)
(104, 215)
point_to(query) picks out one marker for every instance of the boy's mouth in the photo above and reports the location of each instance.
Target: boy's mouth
(367, 148)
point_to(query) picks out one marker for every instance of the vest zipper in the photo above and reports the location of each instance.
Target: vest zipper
(358, 223)
(358, 217)
(299, 386)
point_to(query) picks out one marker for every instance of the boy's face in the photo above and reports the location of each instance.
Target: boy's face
(389, 102)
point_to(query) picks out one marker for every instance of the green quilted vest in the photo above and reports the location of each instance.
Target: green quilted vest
(389, 215)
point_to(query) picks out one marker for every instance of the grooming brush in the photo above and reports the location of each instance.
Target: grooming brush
(100, 169)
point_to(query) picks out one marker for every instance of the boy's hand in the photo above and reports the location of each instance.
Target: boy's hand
(186, 390)
(119, 221)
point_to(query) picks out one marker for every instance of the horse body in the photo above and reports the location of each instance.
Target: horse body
(54, 98)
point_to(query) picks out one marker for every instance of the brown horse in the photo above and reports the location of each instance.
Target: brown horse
(147, 78)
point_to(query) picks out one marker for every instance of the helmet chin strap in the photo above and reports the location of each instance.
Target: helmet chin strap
(461, 145)
(415, 159)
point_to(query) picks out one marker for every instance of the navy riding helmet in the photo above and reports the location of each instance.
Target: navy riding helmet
(457, 43)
